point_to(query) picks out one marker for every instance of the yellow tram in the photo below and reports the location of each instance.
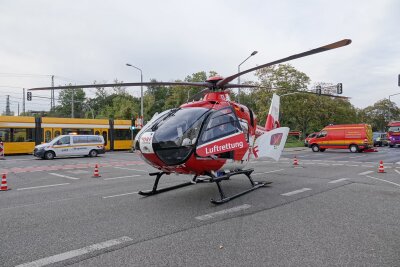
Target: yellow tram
(21, 134)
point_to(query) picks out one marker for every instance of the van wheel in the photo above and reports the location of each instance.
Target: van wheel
(49, 155)
(93, 153)
(315, 148)
(353, 148)
(322, 149)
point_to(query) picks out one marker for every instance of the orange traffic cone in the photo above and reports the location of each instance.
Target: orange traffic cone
(381, 169)
(96, 172)
(295, 162)
(3, 186)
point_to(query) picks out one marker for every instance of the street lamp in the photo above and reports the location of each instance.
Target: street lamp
(252, 54)
(141, 90)
(390, 114)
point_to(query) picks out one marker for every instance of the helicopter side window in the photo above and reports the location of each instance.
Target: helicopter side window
(245, 128)
(220, 124)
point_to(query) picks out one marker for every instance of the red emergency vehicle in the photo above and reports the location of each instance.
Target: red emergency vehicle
(355, 137)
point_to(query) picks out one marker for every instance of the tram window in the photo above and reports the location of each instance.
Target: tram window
(57, 133)
(5, 134)
(82, 131)
(122, 134)
(47, 136)
(97, 133)
(22, 135)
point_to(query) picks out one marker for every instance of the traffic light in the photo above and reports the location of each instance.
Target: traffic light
(339, 88)
(29, 96)
(318, 90)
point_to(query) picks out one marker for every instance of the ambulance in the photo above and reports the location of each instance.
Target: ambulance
(71, 145)
(355, 137)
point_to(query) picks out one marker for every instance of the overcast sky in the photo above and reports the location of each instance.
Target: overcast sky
(82, 41)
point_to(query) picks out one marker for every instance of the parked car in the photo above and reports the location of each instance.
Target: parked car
(355, 137)
(380, 139)
(309, 137)
(71, 145)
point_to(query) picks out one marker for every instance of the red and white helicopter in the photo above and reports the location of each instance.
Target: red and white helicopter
(212, 139)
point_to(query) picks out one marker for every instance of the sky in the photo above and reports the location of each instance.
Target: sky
(84, 41)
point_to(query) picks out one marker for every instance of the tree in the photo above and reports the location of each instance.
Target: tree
(64, 109)
(378, 114)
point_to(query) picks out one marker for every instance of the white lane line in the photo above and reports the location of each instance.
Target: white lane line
(355, 157)
(130, 169)
(295, 192)
(365, 173)
(368, 166)
(349, 165)
(63, 176)
(268, 172)
(121, 177)
(397, 171)
(337, 181)
(338, 164)
(75, 253)
(43, 186)
(131, 193)
(382, 180)
(222, 212)
(324, 164)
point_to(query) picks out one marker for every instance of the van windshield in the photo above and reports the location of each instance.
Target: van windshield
(395, 129)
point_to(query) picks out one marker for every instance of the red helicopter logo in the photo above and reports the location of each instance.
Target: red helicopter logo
(213, 137)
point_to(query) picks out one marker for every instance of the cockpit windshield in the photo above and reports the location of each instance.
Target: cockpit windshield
(179, 127)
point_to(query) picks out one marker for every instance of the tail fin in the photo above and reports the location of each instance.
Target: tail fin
(273, 114)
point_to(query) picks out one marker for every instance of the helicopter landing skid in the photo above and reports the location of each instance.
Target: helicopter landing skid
(224, 199)
(212, 179)
(157, 191)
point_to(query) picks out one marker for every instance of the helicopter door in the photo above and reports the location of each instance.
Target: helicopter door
(222, 136)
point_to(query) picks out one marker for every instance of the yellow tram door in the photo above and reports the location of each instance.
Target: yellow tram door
(50, 133)
(47, 135)
(104, 133)
(56, 132)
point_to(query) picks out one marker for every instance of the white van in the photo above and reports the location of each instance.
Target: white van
(71, 145)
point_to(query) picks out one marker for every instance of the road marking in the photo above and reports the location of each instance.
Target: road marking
(337, 181)
(365, 173)
(222, 212)
(355, 157)
(43, 186)
(383, 180)
(121, 177)
(338, 164)
(368, 166)
(131, 193)
(78, 171)
(75, 253)
(64, 176)
(130, 169)
(351, 165)
(397, 171)
(295, 192)
(324, 164)
(268, 172)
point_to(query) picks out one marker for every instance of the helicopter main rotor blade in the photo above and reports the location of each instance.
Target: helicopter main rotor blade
(344, 42)
(240, 86)
(197, 84)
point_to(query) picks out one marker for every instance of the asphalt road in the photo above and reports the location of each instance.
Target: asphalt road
(334, 209)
